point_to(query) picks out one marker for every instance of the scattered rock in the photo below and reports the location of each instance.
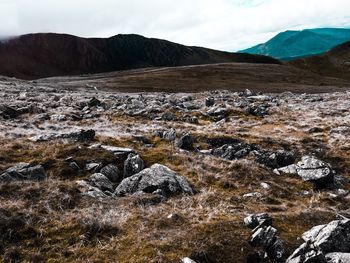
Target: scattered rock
(23, 171)
(311, 169)
(252, 221)
(265, 236)
(259, 111)
(112, 172)
(188, 260)
(156, 179)
(210, 101)
(323, 241)
(133, 165)
(186, 142)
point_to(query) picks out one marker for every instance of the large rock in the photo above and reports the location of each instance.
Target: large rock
(265, 236)
(333, 237)
(338, 257)
(275, 159)
(8, 112)
(156, 179)
(112, 172)
(97, 185)
(133, 165)
(310, 169)
(23, 171)
(306, 253)
(232, 151)
(186, 142)
(322, 242)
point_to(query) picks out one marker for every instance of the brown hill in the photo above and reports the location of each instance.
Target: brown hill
(230, 76)
(335, 63)
(44, 55)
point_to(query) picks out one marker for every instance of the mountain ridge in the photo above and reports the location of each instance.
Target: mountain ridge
(292, 44)
(41, 55)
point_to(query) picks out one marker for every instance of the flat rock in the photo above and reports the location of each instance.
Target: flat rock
(23, 171)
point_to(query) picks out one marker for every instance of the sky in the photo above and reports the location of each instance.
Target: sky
(220, 24)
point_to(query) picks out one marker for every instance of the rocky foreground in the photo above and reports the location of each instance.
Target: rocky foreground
(221, 176)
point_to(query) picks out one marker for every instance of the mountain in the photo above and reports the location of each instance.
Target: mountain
(297, 44)
(335, 63)
(35, 56)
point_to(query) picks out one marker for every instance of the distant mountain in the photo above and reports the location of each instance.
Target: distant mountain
(291, 45)
(45, 55)
(335, 63)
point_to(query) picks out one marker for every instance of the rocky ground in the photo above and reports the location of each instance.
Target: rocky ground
(98, 176)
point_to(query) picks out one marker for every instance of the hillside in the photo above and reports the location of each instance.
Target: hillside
(335, 63)
(44, 55)
(230, 76)
(296, 44)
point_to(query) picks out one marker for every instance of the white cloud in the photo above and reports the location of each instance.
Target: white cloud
(220, 24)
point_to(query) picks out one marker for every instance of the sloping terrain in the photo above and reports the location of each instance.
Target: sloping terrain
(62, 196)
(230, 76)
(43, 55)
(335, 63)
(296, 44)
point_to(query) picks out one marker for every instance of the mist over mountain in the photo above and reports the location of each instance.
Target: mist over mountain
(44, 55)
(290, 45)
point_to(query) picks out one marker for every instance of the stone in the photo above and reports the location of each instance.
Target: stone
(133, 165)
(275, 159)
(94, 102)
(248, 93)
(252, 221)
(333, 237)
(188, 260)
(312, 169)
(168, 116)
(259, 111)
(8, 112)
(101, 181)
(307, 254)
(112, 172)
(156, 179)
(23, 171)
(169, 135)
(338, 257)
(210, 101)
(186, 142)
(113, 149)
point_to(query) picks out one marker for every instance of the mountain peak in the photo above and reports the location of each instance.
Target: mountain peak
(293, 44)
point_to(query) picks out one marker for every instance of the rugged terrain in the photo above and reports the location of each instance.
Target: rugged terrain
(335, 63)
(42, 55)
(83, 178)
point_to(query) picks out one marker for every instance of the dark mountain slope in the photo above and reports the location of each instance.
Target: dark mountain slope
(43, 55)
(335, 63)
(296, 44)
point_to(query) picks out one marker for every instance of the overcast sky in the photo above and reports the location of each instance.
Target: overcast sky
(221, 24)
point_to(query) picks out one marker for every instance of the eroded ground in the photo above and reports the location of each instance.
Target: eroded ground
(52, 220)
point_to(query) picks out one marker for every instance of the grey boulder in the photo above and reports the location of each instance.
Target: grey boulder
(186, 142)
(23, 171)
(133, 165)
(310, 169)
(338, 257)
(156, 179)
(112, 172)
(333, 237)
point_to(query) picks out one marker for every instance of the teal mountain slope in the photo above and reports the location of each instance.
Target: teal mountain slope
(290, 45)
